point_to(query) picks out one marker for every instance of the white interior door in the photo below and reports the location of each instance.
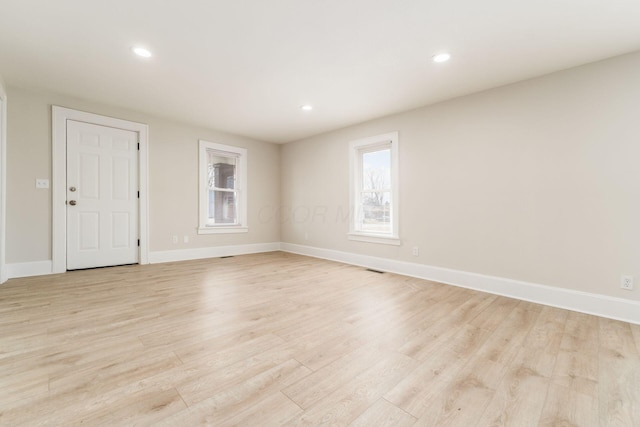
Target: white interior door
(102, 196)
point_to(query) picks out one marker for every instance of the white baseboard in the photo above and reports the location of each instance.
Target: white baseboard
(583, 302)
(39, 268)
(211, 252)
(27, 269)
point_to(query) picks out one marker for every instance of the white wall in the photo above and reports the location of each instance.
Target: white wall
(173, 179)
(3, 106)
(537, 181)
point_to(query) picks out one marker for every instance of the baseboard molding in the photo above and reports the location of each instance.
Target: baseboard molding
(40, 268)
(583, 302)
(27, 269)
(211, 252)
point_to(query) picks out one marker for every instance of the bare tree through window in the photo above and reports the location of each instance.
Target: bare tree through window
(376, 191)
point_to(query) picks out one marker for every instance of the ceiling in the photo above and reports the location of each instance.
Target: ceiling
(246, 67)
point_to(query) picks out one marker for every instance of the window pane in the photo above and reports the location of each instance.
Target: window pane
(222, 207)
(376, 170)
(221, 170)
(376, 212)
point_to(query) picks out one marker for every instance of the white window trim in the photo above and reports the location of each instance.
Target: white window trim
(355, 177)
(241, 185)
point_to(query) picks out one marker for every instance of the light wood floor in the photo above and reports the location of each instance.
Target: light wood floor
(280, 339)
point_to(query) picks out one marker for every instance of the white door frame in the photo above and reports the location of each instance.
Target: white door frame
(3, 183)
(60, 115)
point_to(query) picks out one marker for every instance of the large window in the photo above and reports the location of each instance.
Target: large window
(374, 194)
(223, 188)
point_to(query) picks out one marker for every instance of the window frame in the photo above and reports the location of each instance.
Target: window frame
(357, 149)
(241, 226)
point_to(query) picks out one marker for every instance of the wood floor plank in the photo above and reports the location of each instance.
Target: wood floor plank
(521, 396)
(441, 332)
(113, 372)
(416, 392)
(635, 330)
(495, 314)
(281, 339)
(464, 397)
(543, 342)
(577, 361)
(73, 407)
(518, 401)
(17, 387)
(196, 389)
(244, 396)
(567, 407)
(275, 410)
(348, 402)
(322, 382)
(330, 350)
(490, 363)
(383, 414)
(619, 375)
(226, 350)
(147, 409)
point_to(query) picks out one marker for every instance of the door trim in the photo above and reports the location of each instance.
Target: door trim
(3, 183)
(60, 115)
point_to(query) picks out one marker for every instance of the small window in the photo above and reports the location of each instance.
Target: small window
(223, 189)
(374, 183)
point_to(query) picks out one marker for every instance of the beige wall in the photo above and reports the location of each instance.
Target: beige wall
(2, 181)
(173, 180)
(537, 181)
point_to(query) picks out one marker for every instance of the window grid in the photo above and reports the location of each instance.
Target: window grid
(223, 188)
(374, 189)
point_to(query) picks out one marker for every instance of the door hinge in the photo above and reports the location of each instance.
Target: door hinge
(138, 194)
(138, 242)
(138, 146)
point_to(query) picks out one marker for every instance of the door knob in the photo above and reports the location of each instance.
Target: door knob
(72, 189)
(72, 202)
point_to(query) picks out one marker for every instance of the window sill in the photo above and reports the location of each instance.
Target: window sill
(373, 238)
(223, 229)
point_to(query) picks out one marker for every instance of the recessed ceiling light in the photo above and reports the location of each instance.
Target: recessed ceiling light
(307, 107)
(441, 57)
(141, 51)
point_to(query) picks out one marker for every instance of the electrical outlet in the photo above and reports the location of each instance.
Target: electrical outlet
(175, 239)
(186, 239)
(626, 282)
(416, 251)
(42, 183)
